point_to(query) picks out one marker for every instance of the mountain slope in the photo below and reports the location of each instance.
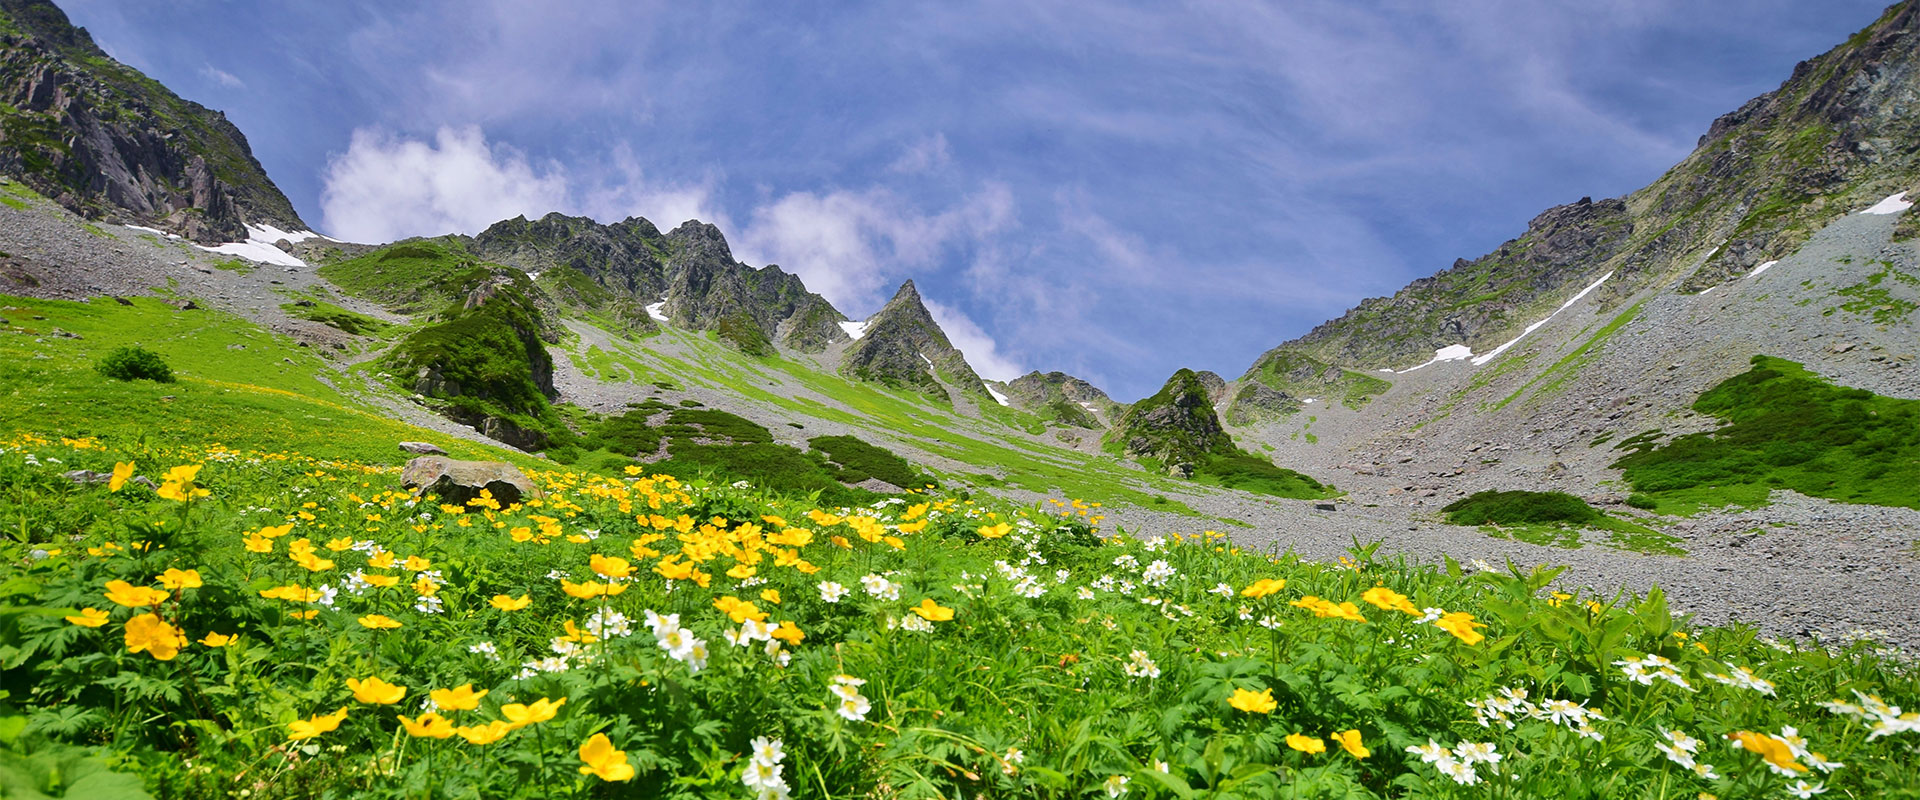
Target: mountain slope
(903, 347)
(1836, 134)
(1062, 398)
(108, 142)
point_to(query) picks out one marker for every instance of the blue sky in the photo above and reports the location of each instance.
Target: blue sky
(1112, 190)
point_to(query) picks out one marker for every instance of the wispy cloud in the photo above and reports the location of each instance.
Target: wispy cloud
(222, 77)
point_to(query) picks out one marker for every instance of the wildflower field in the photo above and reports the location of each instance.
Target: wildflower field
(210, 623)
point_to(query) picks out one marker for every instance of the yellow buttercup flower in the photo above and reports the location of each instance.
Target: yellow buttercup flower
(505, 603)
(789, 633)
(932, 611)
(610, 567)
(1771, 748)
(318, 724)
(1461, 625)
(378, 622)
(181, 579)
(459, 698)
(484, 734)
(1390, 600)
(382, 581)
(122, 472)
(217, 639)
(770, 595)
(132, 596)
(539, 710)
(89, 618)
(1260, 702)
(603, 761)
(1350, 741)
(994, 531)
(1263, 587)
(1306, 744)
(374, 691)
(337, 545)
(430, 725)
(739, 610)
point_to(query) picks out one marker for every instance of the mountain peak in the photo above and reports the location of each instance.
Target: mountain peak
(904, 347)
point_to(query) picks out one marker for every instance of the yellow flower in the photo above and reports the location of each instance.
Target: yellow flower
(610, 567)
(258, 544)
(1306, 744)
(181, 579)
(590, 590)
(739, 610)
(770, 595)
(375, 691)
(789, 633)
(1389, 600)
(122, 472)
(994, 531)
(1263, 587)
(184, 473)
(378, 622)
(1771, 748)
(603, 761)
(89, 618)
(932, 611)
(484, 734)
(217, 639)
(429, 725)
(291, 594)
(132, 596)
(318, 724)
(383, 581)
(1461, 625)
(459, 698)
(1350, 742)
(1260, 702)
(337, 545)
(505, 603)
(417, 564)
(539, 710)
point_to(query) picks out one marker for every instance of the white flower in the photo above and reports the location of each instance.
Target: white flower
(1819, 761)
(916, 624)
(1012, 760)
(1460, 771)
(1431, 752)
(1705, 772)
(1804, 790)
(754, 630)
(429, 605)
(880, 587)
(486, 649)
(832, 592)
(609, 624)
(327, 594)
(1029, 588)
(1140, 666)
(1083, 593)
(1794, 741)
(1162, 767)
(1115, 786)
(1221, 589)
(1127, 561)
(854, 708)
(1270, 623)
(1157, 574)
(1430, 615)
(1477, 753)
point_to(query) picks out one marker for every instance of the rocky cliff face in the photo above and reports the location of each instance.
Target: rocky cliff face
(903, 347)
(622, 268)
(1175, 428)
(107, 142)
(1062, 398)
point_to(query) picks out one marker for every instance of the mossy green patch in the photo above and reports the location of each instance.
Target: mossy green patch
(337, 318)
(1788, 429)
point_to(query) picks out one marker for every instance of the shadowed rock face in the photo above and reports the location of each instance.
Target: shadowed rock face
(105, 141)
(904, 348)
(457, 482)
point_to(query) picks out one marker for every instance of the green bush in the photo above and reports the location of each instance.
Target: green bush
(854, 461)
(1638, 500)
(134, 364)
(1520, 508)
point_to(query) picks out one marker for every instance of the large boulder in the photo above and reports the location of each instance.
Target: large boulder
(459, 481)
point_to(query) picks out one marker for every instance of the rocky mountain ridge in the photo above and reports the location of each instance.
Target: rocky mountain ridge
(107, 142)
(902, 346)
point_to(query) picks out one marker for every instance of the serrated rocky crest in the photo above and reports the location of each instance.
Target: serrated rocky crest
(905, 348)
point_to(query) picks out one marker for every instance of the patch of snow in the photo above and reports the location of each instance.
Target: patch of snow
(1452, 352)
(923, 357)
(1762, 268)
(259, 246)
(655, 312)
(1086, 405)
(1310, 400)
(997, 396)
(533, 276)
(1483, 359)
(1388, 370)
(1707, 291)
(154, 231)
(1894, 204)
(855, 329)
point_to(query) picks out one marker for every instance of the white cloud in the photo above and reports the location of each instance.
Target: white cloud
(222, 77)
(851, 246)
(387, 187)
(982, 352)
